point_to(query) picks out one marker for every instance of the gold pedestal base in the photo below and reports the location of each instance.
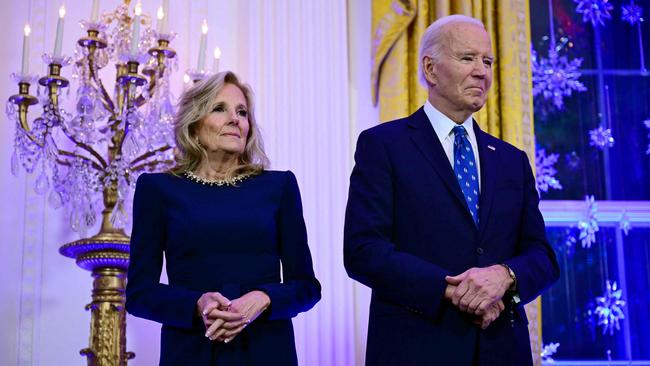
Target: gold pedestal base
(107, 256)
(108, 319)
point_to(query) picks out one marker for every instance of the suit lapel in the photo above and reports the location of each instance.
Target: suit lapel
(427, 142)
(488, 161)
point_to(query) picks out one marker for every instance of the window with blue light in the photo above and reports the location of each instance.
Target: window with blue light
(591, 89)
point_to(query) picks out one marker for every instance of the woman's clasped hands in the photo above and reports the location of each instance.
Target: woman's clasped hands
(225, 319)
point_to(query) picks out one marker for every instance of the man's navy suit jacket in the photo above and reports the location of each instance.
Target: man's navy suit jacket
(407, 226)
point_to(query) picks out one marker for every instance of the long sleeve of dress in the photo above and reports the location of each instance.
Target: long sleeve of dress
(146, 297)
(299, 290)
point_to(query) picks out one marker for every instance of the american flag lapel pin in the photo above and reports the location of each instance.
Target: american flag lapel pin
(491, 148)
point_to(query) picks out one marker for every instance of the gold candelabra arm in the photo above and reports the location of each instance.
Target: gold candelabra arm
(100, 160)
(63, 162)
(92, 42)
(128, 80)
(105, 97)
(23, 100)
(149, 154)
(140, 100)
(92, 163)
(151, 85)
(54, 81)
(151, 164)
(120, 71)
(160, 52)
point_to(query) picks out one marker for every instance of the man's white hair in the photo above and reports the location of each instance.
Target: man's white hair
(432, 39)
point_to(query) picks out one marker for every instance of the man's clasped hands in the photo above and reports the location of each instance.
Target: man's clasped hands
(479, 291)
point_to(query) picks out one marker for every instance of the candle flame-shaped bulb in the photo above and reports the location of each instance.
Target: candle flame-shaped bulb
(27, 30)
(186, 78)
(161, 13)
(138, 9)
(62, 11)
(217, 53)
(204, 27)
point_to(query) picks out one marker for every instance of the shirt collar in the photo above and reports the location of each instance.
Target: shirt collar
(443, 125)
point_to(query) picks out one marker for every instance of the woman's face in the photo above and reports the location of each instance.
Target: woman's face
(225, 128)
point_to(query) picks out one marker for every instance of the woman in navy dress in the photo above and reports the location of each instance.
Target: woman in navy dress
(232, 234)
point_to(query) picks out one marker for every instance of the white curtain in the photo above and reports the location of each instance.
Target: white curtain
(297, 60)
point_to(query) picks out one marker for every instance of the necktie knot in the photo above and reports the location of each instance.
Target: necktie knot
(459, 133)
(459, 130)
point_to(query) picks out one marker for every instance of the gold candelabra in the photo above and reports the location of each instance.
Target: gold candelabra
(110, 162)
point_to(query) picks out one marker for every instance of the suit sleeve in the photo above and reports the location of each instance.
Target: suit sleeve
(299, 290)
(146, 297)
(535, 264)
(369, 254)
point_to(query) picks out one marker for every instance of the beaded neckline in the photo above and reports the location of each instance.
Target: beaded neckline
(217, 182)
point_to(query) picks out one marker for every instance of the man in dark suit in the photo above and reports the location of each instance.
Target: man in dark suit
(442, 221)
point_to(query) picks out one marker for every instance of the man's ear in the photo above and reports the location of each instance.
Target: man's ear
(429, 68)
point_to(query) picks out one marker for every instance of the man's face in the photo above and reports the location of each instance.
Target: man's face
(462, 74)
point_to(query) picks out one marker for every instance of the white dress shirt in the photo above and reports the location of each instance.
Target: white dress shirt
(443, 126)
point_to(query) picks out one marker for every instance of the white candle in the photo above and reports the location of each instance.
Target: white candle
(215, 63)
(94, 14)
(135, 37)
(165, 24)
(202, 45)
(25, 66)
(59, 32)
(161, 16)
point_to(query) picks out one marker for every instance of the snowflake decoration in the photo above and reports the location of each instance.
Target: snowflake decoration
(594, 11)
(624, 223)
(647, 125)
(549, 350)
(632, 13)
(610, 308)
(555, 77)
(589, 225)
(545, 171)
(601, 137)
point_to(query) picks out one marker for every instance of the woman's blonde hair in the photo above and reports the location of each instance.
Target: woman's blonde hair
(194, 105)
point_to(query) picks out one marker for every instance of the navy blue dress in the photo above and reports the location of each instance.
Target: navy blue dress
(227, 239)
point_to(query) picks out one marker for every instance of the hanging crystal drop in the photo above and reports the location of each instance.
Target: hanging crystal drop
(89, 217)
(10, 110)
(117, 217)
(42, 184)
(55, 199)
(130, 147)
(15, 165)
(75, 221)
(51, 150)
(122, 188)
